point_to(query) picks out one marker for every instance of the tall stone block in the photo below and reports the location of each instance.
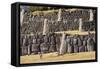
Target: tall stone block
(21, 16)
(62, 46)
(59, 15)
(45, 27)
(80, 24)
(91, 15)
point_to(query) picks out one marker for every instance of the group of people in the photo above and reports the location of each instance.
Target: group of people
(39, 44)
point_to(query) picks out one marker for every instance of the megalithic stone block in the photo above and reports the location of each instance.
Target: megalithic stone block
(21, 16)
(45, 27)
(91, 15)
(62, 44)
(80, 24)
(59, 15)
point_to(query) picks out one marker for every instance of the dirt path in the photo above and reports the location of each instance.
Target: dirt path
(52, 57)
